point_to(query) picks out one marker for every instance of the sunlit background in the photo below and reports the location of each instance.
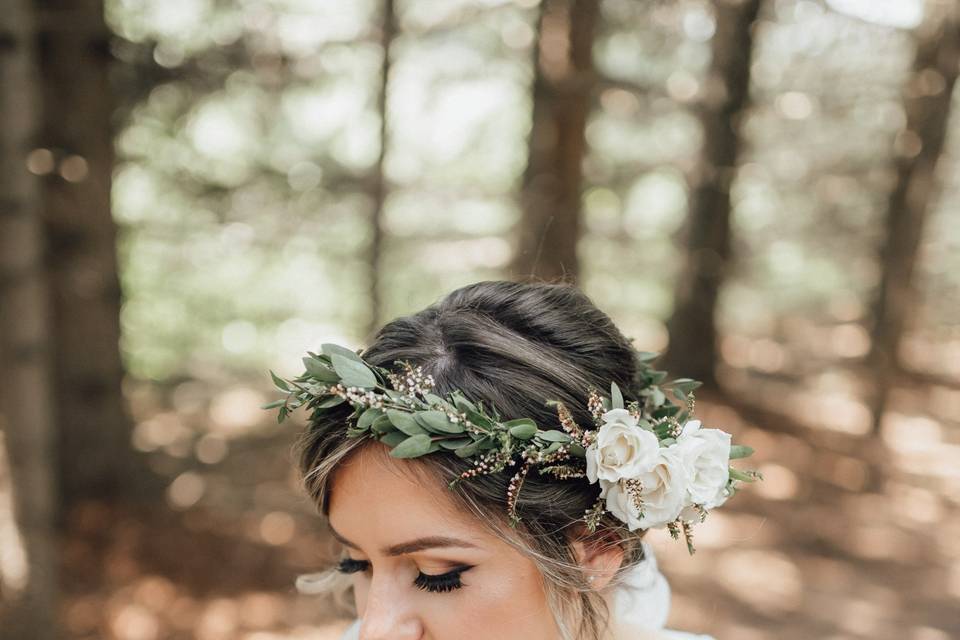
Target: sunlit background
(279, 183)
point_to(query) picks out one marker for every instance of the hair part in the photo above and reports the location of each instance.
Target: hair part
(512, 346)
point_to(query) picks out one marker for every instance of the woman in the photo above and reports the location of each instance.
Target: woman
(447, 546)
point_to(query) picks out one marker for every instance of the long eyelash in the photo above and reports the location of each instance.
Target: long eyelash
(349, 565)
(434, 583)
(440, 583)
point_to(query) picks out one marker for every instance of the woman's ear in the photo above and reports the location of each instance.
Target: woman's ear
(600, 556)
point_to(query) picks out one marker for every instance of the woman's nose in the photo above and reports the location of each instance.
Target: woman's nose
(389, 614)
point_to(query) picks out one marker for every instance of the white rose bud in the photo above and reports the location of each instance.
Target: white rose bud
(706, 455)
(663, 493)
(622, 448)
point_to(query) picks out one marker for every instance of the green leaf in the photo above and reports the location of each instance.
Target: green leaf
(685, 385)
(434, 399)
(405, 422)
(476, 418)
(368, 416)
(412, 447)
(656, 377)
(382, 425)
(553, 447)
(745, 476)
(393, 438)
(274, 404)
(332, 401)
(437, 422)
(353, 373)
(740, 451)
(576, 449)
(319, 370)
(616, 398)
(554, 436)
(522, 428)
(647, 356)
(657, 397)
(454, 443)
(462, 403)
(468, 450)
(279, 382)
(330, 349)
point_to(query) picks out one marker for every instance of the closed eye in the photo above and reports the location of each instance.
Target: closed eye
(428, 582)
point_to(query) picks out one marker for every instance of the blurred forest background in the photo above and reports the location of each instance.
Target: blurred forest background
(193, 191)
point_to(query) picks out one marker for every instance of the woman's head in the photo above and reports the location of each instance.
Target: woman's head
(512, 346)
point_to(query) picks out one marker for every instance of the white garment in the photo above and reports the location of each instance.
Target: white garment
(639, 606)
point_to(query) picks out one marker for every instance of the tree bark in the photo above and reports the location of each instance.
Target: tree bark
(28, 564)
(388, 31)
(927, 102)
(94, 427)
(563, 84)
(692, 350)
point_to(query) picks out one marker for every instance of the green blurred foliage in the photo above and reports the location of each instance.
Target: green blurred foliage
(243, 189)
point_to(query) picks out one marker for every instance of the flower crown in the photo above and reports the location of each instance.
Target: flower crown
(656, 467)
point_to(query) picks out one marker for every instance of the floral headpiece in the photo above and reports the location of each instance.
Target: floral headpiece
(656, 467)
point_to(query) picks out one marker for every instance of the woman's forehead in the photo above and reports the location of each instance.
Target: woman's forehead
(371, 489)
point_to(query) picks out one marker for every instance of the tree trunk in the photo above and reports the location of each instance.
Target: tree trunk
(28, 565)
(562, 90)
(692, 351)
(94, 427)
(927, 101)
(388, 31)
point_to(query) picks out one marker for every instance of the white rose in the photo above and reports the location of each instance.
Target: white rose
(663, 491)
(706, 455)
(622, 448)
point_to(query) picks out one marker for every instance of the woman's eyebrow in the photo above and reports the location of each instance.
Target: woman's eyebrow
(412, 546)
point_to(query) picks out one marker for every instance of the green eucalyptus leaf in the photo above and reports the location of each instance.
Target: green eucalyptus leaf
(434, 399)
(616, 398)
(657, 397)
(274, 404)
(740, 451)
(368, 416)
(656, 377)
(412, 447)
(554, 436)
(332, 401)
(748, 476)
(437, 422)
(647, 356)
(382, 424)
(553, 447)
(393, 438)
(468, 450)
(405, 422)
(522, 428)
(463, 404)
(330, 350)
(353, 373)
(280, 382)
(479, 420)
(576, 449)
(685, 385)
(454, 443)
(319, 370)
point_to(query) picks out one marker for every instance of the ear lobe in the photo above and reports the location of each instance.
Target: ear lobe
(600, 557)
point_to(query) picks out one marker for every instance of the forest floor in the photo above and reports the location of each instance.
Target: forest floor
(847, 537)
